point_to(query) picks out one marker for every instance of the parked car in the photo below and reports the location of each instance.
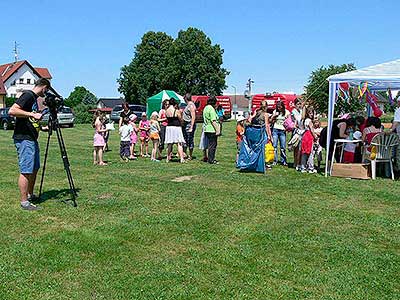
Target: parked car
(6, 121)
(135, 108)
(65, 117)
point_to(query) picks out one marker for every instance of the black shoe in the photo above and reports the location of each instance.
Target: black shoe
(214, 162)
(33, 199)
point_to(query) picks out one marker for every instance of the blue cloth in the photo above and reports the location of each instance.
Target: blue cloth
(280, 135)
(28, 156)
(252, 151)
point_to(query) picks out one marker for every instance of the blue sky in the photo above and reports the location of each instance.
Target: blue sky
(276, 43)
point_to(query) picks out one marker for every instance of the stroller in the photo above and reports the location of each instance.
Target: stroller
(252, 151)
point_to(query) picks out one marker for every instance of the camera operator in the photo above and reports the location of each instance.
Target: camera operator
(26, 133)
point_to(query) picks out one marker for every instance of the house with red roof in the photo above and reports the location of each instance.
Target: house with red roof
(19, 76)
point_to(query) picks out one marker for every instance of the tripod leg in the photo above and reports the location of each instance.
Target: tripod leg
(65, 160)
(44, 164)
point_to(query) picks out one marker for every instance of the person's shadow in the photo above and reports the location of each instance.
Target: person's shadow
(63, 195)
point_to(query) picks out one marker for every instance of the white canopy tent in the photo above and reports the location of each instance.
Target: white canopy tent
(379, 77)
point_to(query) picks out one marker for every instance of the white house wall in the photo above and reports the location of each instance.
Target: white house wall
(25, 73)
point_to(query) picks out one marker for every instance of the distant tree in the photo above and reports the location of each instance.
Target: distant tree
(146, 74)
(189, 64)
(317, 90)
(196, 65)
(80, 95)
(81, 100)
(82, 114)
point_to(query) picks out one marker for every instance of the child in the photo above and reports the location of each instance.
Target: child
(132, 119)
(203, 145)
(106, 135)
(307, 141)
(350, 148)
(317, 148)
(98, 139)
(239, 134)
(155, 136)
(125, 132)
(144, 127)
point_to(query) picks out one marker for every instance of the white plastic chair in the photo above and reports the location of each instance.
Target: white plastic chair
(384, 144)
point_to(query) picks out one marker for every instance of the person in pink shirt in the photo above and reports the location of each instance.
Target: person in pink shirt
(144, 127)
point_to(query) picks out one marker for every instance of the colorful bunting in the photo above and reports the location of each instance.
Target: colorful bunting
(362, 88)
(372, 101)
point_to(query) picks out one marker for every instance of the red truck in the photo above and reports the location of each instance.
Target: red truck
(271, 99)
(201, 102)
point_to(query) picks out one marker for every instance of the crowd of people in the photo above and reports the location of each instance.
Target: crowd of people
(172, 125)
(308, 138)
(298, 131)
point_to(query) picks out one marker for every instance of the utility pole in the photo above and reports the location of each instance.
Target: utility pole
(248, 85)
(15, 50)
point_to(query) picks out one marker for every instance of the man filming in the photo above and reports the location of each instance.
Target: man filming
(26, 133)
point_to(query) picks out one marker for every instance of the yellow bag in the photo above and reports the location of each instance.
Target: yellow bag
(373, 152)
(269, 153)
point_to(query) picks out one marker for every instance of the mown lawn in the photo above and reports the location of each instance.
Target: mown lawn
(136, 234)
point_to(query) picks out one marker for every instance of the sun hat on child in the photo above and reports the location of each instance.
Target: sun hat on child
(240, 119)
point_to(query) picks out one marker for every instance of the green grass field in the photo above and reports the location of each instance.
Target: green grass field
(136, 234)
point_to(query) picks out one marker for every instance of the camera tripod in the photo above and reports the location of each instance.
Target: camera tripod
(55, 126)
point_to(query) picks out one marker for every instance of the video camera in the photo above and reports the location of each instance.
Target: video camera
(53, 102)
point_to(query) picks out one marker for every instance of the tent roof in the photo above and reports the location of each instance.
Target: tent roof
(379, 77)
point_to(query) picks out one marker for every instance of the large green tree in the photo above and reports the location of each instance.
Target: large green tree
(196, 64)
(188, 64)
(146, 74)
(317, 90)
(80, 95)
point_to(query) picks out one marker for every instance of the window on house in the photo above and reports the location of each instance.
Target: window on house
(21, 80)
(28, 81)
(13, 83)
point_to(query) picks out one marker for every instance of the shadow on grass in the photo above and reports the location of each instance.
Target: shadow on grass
(57, 195)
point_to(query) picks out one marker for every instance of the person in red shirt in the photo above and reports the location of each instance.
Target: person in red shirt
(239, 134)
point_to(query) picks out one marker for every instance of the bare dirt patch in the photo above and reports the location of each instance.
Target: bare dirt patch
(183, 178)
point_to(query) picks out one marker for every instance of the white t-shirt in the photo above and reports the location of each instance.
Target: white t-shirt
(125, 133)
(297, 115)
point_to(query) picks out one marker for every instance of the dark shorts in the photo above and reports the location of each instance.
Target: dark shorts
(28, 156)
(189, 136)
(124, 149)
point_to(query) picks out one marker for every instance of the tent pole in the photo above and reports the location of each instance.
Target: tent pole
(331, 110)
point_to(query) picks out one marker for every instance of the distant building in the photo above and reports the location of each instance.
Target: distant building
(109, 102)
(19, 76)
